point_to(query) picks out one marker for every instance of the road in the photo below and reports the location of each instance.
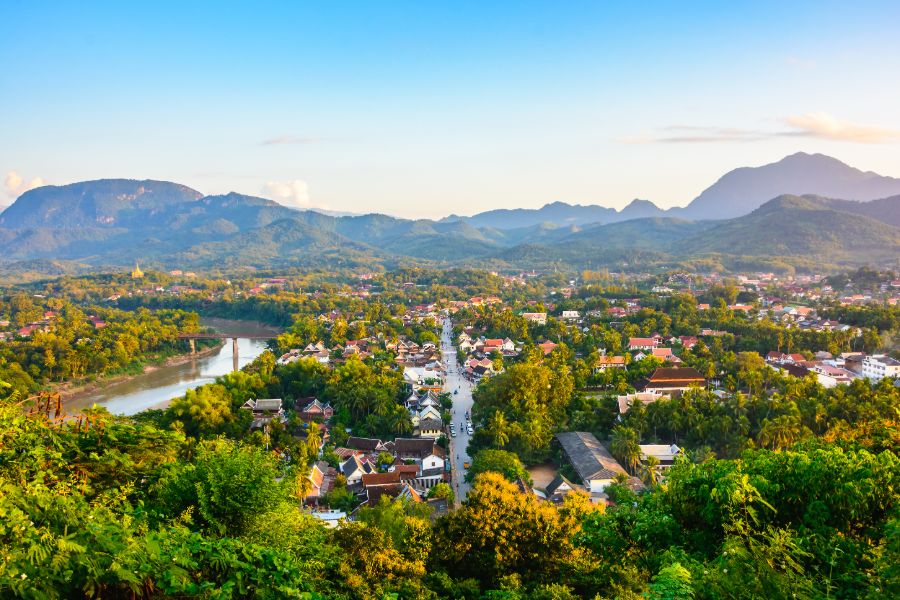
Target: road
(462, 403)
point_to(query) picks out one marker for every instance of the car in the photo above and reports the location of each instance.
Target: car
(469, 430)
(452, 433)
(466, 465)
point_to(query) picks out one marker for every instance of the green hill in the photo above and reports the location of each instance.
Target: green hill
(803, 226)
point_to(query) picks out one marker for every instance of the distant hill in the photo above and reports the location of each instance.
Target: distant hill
(742, 190)
(804, 226)
(101, 203)
(117, 222)
(558, 213)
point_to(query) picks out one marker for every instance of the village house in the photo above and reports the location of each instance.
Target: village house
(671, 380)
(313, 410)
(264, 411)
(591, 460)
(354, 468)
(647, 344)
(626, 401)
(609, 362)
(665, 453)
(539, 318)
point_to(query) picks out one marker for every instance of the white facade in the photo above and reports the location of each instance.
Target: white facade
(880, 366)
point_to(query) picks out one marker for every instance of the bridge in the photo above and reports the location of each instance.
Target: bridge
(191, 337)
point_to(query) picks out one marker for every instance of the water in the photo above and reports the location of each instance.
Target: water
(159, 387)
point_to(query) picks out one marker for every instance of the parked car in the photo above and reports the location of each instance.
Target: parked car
(469, 430)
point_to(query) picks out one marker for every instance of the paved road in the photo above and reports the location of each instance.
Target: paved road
(462, 402)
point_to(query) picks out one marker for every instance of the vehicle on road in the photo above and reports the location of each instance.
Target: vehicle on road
(452, 433)
(466, 465)
(455, 391)
(469, 430)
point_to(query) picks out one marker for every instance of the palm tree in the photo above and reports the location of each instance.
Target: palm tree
(649, 473)
(624, 446)
(498, 429)
(780, 432)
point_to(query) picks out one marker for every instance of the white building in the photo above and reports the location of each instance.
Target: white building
(879, 366)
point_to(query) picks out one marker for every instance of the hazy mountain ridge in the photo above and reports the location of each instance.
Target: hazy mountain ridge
(114, 222)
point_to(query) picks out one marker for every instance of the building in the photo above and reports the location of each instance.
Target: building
(591, 460)
(316, 411)
(880, 366)
(665, 453)
(264, 411)
(137, 273)
(536, 317)
(628, 400)
(669, 380)
(636, 343)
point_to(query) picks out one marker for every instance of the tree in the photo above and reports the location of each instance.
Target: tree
(202, 411)
(501, 462)
(625, 447)
(442, 491)
(649, 471)
(781, 432)
(501, 532)
(229, 483)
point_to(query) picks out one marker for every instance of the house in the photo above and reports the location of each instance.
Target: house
(321, 476)
(536, 317)
(591, 460)
(571, 315)
(330, 518)
(688, 341)
(557, 490)
(354, 468)
(671, 380)
(547, 347)
(264, 411)
(880, 366)
(628, 400)
(430, 428)
(422, 450)
(636, 343)
(397, 490)
(665, 453)
(368, 445)
(666, 355)
(316, 411)
(609, 362)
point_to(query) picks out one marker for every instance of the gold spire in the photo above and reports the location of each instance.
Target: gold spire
(137, 273)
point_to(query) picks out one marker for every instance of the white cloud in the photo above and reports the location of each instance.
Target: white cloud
(293, 194)
(16, 186)
(827, 126)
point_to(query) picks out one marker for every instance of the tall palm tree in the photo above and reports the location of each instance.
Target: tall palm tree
(649, 472)
(780, 432)
(498, 428)
(624, 446)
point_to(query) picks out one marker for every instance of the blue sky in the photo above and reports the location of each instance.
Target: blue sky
(426, 108)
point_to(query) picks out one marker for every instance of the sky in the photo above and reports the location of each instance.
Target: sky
(422, 109)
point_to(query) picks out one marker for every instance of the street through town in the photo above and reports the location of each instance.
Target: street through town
(455, 381)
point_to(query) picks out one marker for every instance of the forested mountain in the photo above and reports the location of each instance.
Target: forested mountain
(794, 225)
(117, 222)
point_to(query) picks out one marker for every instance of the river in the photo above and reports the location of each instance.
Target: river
(159, 386)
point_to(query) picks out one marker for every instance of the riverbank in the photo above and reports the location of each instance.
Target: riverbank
(70, 391)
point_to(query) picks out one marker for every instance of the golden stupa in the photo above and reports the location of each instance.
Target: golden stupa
(137, 273)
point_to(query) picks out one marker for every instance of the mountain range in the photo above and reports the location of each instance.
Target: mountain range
(805, 210)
